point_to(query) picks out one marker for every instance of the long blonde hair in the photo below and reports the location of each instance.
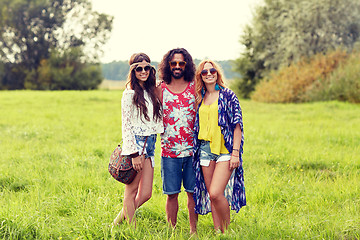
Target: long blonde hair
(199, 84)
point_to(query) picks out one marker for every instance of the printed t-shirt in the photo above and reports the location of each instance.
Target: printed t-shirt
(179, 117)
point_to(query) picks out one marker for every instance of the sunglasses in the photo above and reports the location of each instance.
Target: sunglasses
(175, 63)
(140, 69)
(211, 70)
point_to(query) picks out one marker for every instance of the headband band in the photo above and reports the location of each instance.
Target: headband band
(134, 65)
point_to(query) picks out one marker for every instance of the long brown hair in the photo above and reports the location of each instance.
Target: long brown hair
(199, 84)
(149, 87)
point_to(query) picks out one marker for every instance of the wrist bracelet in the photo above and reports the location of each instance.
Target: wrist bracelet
(234, 149)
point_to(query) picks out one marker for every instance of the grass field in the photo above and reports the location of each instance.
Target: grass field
(301, 162)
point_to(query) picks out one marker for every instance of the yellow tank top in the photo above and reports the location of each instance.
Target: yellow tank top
(209, 130)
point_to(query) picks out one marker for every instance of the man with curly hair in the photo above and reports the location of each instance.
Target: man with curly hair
(177, 70)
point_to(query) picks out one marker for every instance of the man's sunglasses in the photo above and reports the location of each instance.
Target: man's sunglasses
(175, 63)
(211, 70)
(140, 69)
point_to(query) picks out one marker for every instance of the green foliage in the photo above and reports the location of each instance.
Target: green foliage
(65, 71)
(302, 174)
(290, 84)
(250, 66)
(283, 32)
(32, 31)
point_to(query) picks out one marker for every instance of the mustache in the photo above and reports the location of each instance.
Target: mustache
(174, 69)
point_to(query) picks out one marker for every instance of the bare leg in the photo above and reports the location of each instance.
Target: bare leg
(220, 178)
(145, 185)
(129, 198)
(172, 207)
(208, 175)
(119, 218)
(193, 217)
(144, 189)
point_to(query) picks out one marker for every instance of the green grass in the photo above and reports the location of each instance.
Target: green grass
(301, 162)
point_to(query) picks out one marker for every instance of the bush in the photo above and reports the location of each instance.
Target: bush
(343, 84)
(290, 84)
(68, 70)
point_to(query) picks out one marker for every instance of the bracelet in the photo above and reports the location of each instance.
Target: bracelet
(234, 149)
(234, 155)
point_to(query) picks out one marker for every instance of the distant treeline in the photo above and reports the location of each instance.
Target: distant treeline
(118, 70)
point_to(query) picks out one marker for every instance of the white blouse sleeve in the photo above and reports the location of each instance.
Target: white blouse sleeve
(127, 111)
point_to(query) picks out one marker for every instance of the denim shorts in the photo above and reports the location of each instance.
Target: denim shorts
(177, 170)
(149, 150)
(206, 156)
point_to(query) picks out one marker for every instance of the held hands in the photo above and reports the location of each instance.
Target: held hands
(138, 162)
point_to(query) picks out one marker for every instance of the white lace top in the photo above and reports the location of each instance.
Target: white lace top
(135, 124)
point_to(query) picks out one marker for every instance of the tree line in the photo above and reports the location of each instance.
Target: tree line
(118, 70)
(57, 44)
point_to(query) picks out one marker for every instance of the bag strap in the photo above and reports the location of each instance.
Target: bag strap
(137, 154)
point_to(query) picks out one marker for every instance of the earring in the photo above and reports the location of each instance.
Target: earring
(217, 87)
(202, 92)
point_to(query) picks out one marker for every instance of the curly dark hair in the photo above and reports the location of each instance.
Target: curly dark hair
(164, 67)
(149, 87)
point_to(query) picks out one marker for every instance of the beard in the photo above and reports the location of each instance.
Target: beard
(177, 75)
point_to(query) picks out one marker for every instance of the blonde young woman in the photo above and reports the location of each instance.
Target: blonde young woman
(141, 113)
(218, 147)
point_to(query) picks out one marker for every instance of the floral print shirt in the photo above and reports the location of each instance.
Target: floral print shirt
(229, 115)
(133, 123)
(179, 116)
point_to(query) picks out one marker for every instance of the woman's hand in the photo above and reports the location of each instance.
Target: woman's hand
(138, 162)
(234, 162)
(158, 90)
